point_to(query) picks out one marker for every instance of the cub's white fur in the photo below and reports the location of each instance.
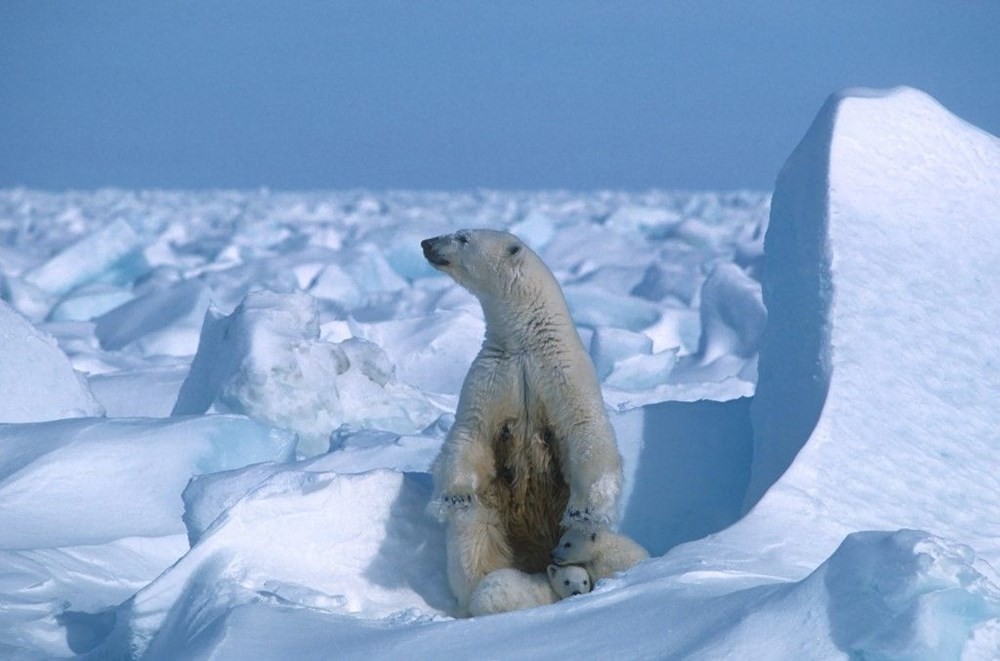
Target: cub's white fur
(506, 590)
(602, 553)
(569, 580)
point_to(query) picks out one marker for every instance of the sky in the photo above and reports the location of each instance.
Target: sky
(459, 94)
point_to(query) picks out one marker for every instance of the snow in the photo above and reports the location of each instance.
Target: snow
(806, 417)
(128, 470)
(266, 360)
(896, 299)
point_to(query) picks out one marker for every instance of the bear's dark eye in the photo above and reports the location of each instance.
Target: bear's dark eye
(568, 545)
(586, 582)
(513, 250)
(566, 582)
(593, 537)
(463, 239)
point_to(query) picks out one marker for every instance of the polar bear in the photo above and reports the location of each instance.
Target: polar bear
(507, 590)
(532, 452)
(602, 552)
(569, 580)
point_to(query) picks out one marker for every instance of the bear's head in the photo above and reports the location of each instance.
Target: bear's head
(488, 263)
(575, 546)
(569, 580)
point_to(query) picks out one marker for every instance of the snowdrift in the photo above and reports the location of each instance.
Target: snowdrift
(878, 367)
(846, 511)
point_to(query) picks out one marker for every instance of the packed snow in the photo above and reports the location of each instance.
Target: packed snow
(220, 409)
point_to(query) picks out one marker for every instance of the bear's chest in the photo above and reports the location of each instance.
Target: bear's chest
(529, 489)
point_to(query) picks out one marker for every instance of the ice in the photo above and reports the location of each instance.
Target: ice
(595, 307)
(536, 229)
(881, 290)
(359, 545)
(90, 301)
(90, 481)
(36, 378)
(60, 601)
(652, 222)
(371, 272)
(881, 595)
(355, 451)
(165, 321)
(677, 274)
(687, 465)
(732, 314)
(335, 284)
(876, 392)
(432, 352)
(400, 246)
(116, 246)
(149, 392)
(877, 579)
(642, 372)
(206, 497)
(266, 360)
(608, 346)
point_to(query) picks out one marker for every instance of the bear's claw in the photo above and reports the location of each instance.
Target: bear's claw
(456, 501)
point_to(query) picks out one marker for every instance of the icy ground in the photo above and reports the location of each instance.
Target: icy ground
(220, 409)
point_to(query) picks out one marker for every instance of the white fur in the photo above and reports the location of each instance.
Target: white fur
(602, 553)
(532, 358)
(506, 590)
(569, 580)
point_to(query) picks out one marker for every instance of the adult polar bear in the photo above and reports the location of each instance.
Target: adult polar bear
(532, 452)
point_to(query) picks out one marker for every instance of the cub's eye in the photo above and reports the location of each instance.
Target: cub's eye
(513, 250)
(566, 582)
(586, 582)
(463, 239)
(568, 545)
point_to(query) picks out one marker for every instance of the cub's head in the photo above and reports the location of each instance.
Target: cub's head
(575, 547)
(569, 580)
(486, 262)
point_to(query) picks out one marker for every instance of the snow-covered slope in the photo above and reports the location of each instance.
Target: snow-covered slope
(848, 512)
(880, 359)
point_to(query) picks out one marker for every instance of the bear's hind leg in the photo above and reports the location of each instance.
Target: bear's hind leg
(477, 545)
(507, 590)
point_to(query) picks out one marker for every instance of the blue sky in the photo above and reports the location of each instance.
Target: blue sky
(458, 94)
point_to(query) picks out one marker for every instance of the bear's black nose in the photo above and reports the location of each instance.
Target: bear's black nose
(431, 253)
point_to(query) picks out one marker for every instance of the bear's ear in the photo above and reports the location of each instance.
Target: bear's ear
(552, 571)
(514, 249)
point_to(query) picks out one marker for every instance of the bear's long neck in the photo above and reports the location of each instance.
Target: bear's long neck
(536, 321)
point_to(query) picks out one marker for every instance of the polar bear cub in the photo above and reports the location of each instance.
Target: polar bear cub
(506, 590)
(569, 580)
(601, 553)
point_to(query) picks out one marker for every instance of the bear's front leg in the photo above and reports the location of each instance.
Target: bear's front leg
(462, 469)
(595, 483)
(594, 506)
(592, 468)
